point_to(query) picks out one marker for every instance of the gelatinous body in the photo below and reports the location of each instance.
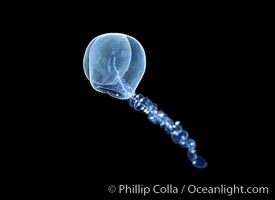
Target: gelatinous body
(115, 63)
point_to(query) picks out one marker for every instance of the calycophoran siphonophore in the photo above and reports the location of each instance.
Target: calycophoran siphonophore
(114, 63)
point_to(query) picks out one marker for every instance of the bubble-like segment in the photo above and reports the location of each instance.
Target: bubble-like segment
(178, 134)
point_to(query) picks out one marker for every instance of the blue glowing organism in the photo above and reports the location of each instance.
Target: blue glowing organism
(114, 63)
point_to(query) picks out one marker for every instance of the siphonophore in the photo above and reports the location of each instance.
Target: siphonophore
(114, 63)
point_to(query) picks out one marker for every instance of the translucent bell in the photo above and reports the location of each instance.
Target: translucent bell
(114, 63)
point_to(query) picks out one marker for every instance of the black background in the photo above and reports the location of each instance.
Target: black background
(208, 71)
